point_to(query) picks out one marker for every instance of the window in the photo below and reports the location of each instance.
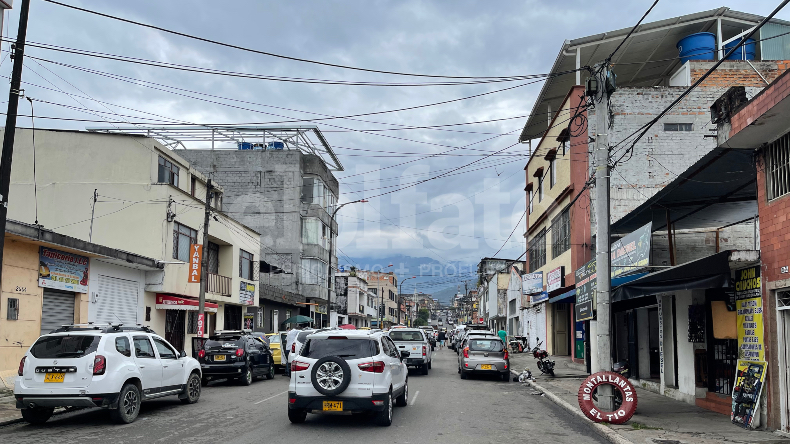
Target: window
(168, 172)
(531, 196)
(143, 348)
(122, 346)
(552, 173)
(392, 295)
(316, 192)
(183, 237)
(678, 127)
(165, 352)
(213, 258)
(392, 311)
(314, 232)
(540, 188)
(561, 233)
(193, 186)
(245, 265)
(192, 321)
(57, 347)
(13, 309)
(537, 251)
(777, 167)
(313, 271)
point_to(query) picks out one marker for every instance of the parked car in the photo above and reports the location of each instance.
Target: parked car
(299, 341)
(108, 366)
(414, 341)
(276, 344)
(431, 334)
(472, 333)
(484, 354)
(348, 371)
(235, 354)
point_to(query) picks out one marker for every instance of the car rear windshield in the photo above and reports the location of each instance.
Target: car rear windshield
(219, 343)
(54, 347)
(406, 336)
(274, 339)
(486, 345)
(344, 348)
(301, 337)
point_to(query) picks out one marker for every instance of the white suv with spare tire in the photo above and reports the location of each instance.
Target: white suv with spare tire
(353, 371)
(109, 366)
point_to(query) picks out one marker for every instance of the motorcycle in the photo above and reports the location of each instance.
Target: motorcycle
(621, 368)
(518, 344)
(545, 365)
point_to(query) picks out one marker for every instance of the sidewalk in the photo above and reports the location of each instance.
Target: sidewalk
(8, 411)
(657, 418)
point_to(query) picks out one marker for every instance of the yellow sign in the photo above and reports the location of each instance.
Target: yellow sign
(749, 306)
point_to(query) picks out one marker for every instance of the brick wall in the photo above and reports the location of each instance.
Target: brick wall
(760, 104)
(739, 72)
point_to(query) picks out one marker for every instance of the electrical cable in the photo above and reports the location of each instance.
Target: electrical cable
(609, 59)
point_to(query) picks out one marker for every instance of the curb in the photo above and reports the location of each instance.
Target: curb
(602, 430)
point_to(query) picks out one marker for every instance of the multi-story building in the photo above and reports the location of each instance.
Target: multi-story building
(494, 275)
(385, 287)
(355, 303)
(134, 194)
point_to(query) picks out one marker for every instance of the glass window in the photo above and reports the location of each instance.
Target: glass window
(168, 172)
(531, 197)
(400, 335)
(56, 347)
(777, 167)
(245, 265)
(313, 271)
(561, 233)
(537, 251)
(183, 237)
(13, 309)
(552, 173)
(486, 345)
(192, 321)
(143, 348)
(540, 188)
(213, 258)
(344, 348)
(311, 231)
(307, 189)
(274, 339)
(122, 346)
(165, 352)
(678, 127)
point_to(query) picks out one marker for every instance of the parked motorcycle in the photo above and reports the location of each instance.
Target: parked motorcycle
(545, 365)
(621, 368)
(519, 344)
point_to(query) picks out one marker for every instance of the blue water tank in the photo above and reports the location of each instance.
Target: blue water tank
(699, 46)
(245, 145)
(750, 46)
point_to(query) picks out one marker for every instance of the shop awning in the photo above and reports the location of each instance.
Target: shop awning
(570, 295)
(167, 302)
(709, 272)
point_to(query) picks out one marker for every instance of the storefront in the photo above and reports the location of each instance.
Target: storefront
(116, 293)
(180, 319)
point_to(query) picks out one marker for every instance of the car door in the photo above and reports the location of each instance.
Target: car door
(149, 365)
(172, 367)
(254, 354)
(397, 366)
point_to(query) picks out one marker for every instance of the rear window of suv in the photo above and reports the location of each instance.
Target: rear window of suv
(218, 343)
(58, 347)
(343, 348)
(406, 336)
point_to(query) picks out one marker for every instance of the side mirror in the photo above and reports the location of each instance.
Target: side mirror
(404, 354)
(183, 354)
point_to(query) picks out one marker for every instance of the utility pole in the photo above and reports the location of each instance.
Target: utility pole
(17, 53)
(204, 259)
(602, 255)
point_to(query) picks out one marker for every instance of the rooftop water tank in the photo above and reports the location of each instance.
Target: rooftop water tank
(750, 46)
(245, 145)
(699, 46)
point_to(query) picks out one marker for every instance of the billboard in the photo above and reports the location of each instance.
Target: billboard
(62, 271)
(247, 293)
(632, 252)
(586, 280)
(532, 282)
(555, 279)
(341, 295)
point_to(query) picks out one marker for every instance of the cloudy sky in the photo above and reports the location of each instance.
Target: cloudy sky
(461, 217)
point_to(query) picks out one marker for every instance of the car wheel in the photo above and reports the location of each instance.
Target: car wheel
(192, 391)
(403, 399)
(37, 415)
(297, 416)
(463, 374)
(128, 405)
(270, 375)
(425, 368)
(384, 417)
(330, 375)
(246, 378)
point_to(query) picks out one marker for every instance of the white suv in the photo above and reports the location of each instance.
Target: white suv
(348, 371)
(114, 367)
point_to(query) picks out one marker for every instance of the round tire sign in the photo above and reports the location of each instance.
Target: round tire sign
(624, 394)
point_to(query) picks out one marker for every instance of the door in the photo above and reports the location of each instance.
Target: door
(653, 341)
(149, 365)
(395, 364)
(116, 301)
(172, 367)
(175, 328)
(561, 336)
(254, 353)
(57, 310)
(275, 322)
(233, 317)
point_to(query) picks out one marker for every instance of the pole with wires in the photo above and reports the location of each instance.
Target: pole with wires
(204, 259)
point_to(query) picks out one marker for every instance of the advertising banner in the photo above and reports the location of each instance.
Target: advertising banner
(62, 271)
(586, 280)
(195, 263)
(632, 252)
(749, 306)
(247, 293)
(749, 380)
(341, 295)
(532, 282)
(555, 279)
(540, 297)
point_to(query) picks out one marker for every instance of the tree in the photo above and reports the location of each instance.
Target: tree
(424, 315)
(419, 322)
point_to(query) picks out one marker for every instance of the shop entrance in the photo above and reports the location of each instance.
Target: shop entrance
(175, 326)
(561, 330)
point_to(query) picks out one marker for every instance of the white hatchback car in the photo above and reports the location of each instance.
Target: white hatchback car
(113, 367)
(348, 371)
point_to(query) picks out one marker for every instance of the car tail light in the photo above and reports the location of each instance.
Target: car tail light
(373, 367)
(21, 365)
(99, 365)
(293, 347)
(240, 352)
(298, 366)
(466, 352)
(506, 355)
(378, 402)
(201, 354)
(424, 348)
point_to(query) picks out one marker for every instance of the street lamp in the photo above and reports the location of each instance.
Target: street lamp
(381, 297)
(329, 265)
(400, 292)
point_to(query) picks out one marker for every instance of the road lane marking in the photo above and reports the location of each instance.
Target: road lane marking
(414, 398)
(270, 397)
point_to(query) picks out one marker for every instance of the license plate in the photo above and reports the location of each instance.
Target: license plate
(485, 367)
(219, 357)
(54, 377)
(333, 406)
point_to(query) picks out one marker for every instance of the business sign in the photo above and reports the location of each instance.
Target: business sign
(632, 252)
(195, 263)
(749, 381)
(749, 306)
(246, 293)
(586, 281)
(532, 282)
(555, 279)
(200, 324)
(540, 297)
(62, 271)
(341, 295)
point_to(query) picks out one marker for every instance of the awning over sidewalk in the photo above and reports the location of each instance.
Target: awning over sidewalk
(709, 272)
(167, 302)
(570, 296)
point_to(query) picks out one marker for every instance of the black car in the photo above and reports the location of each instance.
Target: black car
(235, 354)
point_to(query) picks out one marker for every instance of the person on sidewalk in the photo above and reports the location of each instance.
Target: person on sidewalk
(503, 335)
(442, 338)
(289, 341)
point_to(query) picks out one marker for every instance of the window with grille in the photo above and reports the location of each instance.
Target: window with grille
(678, 127)
(561, 233)
(245, 264)
(192, 322)
(168, 172)
(537, 251)
(183, 237)
(777, 167)
(13, 309)
(213, 258)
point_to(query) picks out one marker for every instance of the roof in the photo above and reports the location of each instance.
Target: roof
(648, 58)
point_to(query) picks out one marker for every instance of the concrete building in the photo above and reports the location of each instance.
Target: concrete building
(384, 285)
(133, 194)
(355, 303)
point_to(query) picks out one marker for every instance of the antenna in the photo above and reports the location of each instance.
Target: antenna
(119, 319)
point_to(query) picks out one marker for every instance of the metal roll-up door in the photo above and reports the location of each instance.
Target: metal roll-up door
(57, 310)
(116, 301)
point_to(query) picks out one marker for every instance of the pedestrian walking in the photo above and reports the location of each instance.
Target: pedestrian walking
(442, 338)
(503, 335)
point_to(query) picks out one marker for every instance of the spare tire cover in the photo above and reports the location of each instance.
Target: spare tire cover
(330, 375)
(618, 382)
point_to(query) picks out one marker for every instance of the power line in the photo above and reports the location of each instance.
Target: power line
(608, 59)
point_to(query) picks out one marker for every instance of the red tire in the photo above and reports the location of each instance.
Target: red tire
(620, 383)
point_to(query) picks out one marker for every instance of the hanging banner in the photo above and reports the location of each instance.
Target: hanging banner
(632, 252)
(749, 305)
(532, 282)
(62, 271)
(246, 293)
(749, 380)
(586, 281)
(195, 263)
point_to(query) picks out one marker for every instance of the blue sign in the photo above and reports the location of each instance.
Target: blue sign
(540, 297)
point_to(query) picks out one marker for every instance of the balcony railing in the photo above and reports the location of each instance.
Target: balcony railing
(219, 284)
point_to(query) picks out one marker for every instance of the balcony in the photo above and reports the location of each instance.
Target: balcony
(218, 284)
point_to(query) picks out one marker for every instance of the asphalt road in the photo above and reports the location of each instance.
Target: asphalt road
(442, 409)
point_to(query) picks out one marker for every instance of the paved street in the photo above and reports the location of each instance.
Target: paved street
(443, 409)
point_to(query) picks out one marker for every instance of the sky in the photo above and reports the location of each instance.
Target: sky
(457, 218)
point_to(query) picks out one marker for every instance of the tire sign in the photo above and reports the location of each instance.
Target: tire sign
(622, 413)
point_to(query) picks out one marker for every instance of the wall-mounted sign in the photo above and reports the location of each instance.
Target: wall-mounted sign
(749, 303)
(246, 293)
(532, 282)
(62, 271)
(555, 279)
(586, 280)
(195, 263)
(540, 297)
(632, 252)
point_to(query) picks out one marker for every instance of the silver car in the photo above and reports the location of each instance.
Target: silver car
(484, 355)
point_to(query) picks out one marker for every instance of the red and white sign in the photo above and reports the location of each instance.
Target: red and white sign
(195, 263)
(167, 302)
(482, 320)
(625, 395)
(200, 326)
(555, 279)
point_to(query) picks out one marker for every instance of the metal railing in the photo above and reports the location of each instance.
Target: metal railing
(219, 284)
